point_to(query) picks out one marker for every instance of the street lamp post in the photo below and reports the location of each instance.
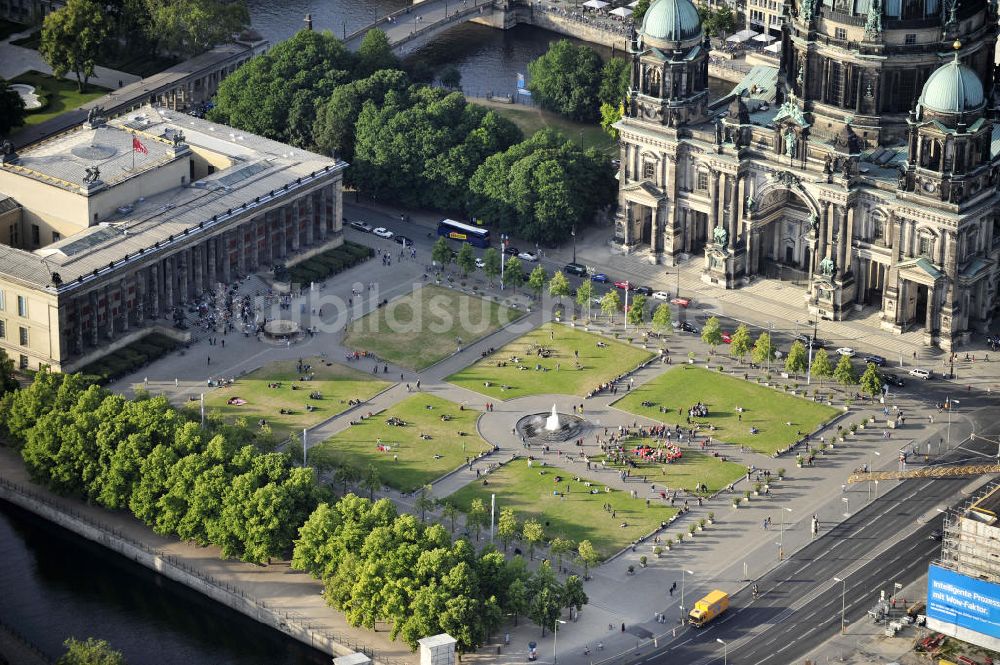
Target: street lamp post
(725, 651)
(951, 405)
(843, 604)
(781, 533)
(689, 572)
(573, 233)
(555, 639)
(847, 506)
(503, 249)
(870, 470)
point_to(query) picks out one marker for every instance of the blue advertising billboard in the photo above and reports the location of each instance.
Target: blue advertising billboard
(963, 601)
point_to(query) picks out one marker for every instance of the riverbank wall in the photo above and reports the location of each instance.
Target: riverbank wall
(297, 626)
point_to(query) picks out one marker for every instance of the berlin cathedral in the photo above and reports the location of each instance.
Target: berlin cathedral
(865, 166)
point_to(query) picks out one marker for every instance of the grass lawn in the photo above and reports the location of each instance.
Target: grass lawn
(335, 382)
(764, 408)
(530, 119)
(421, 328)
(599, 364)
(61, 95)
(577, 515)
(692, 468)
(420, 460)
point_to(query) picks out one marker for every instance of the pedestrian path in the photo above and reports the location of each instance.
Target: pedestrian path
(16, 60)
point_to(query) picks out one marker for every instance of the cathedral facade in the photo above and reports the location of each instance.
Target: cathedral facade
(865, 167)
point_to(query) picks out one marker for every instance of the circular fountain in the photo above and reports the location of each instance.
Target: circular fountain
(28, 94)
(281, 330)
(551, 427)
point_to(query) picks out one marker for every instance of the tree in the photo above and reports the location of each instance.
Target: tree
(763, 349)
(573, 593)
(476, 518)
(72, 38)
(566, 79)
(639, 11)
(333, 129)
(822, 367)
(517, 598)
(559, 547)
(314, 551)
(491, 264)
(513, 272)
(588, 556)
(717, 22)
(279, 94)
(345, 474)
(375, 53)
(541, 188)
(559, 285)
(585, 296)
(507, 527)
(532, 534)
(546, 597)
(8, 382)
(12, 110)
(450, 512)
(611, 114)
(844, 372)
(871, 381)
(611, 302)
(425, 501)
(711, 334)
(372, 481)
(614, 81)
(798, 359)
(190, 27)
(536, 280)
(451, 77)
(441, 253)
(662, 317)
(91, 652)
(739, 343)
(637, 310)
(466, 259)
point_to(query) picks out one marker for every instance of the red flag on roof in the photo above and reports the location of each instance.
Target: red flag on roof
(137, 146)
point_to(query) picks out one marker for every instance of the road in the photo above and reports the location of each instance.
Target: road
(799, 607)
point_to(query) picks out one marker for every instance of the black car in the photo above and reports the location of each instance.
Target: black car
(644, 291)
(687, 327)
(510, 250)
(816, 342)
(892, 380)
(937, 534)
(575, 269)
(402, 240)
(876, 360)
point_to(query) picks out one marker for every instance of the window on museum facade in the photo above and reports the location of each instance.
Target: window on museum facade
(36, 235)
(22, 334)
(3, 329)
(840, 33)
(22, 306)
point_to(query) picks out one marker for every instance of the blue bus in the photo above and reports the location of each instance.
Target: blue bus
(474, 235)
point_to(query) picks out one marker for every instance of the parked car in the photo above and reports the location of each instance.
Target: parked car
(937, 534)
(624, 285)
(527, 256)
(644, 291)
(403, 240)
(480, 263)
(362, 226)
(575, 269)
(876, 360)
(680, 302)
(661, 295)
(892, 379)
(727, 338)
(685, 327)
(383, 232)
(510, 250)
(846, 351)
(600, 278)
(921, 373)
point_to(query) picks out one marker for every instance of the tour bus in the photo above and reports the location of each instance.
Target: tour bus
(474, 235)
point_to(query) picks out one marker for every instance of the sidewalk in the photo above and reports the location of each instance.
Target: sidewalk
(16, 60)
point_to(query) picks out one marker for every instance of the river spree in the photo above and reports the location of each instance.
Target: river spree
(54, 585)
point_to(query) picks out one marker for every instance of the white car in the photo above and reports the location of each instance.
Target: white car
(527, 256)
(846, 351)
(920, 373)
(383, 232)
(480, 263)
(661, 295)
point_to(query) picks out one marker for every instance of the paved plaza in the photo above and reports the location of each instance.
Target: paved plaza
(736, 548)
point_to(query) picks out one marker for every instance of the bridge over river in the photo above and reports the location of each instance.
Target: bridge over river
(410, 28)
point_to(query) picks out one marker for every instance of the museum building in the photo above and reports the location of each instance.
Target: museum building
(107, 228)
(864, 168)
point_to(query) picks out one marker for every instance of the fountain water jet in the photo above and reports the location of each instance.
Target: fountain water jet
(552, 423)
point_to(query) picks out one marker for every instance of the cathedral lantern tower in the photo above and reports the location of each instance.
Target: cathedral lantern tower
(669, 77)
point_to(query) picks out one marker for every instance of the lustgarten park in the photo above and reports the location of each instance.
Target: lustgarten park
(428, 332)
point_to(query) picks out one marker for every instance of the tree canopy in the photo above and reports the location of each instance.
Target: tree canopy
(189, 27)
(72, 39)
(571, 79)
(90, 652)
(12, 110)
(540, 188)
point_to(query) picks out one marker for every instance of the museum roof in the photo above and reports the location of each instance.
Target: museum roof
(263, 170)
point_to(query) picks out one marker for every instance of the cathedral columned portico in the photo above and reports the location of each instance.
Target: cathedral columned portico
(864, 169)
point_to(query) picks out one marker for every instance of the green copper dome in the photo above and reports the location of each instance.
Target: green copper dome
(953, 88)
(671, 20)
